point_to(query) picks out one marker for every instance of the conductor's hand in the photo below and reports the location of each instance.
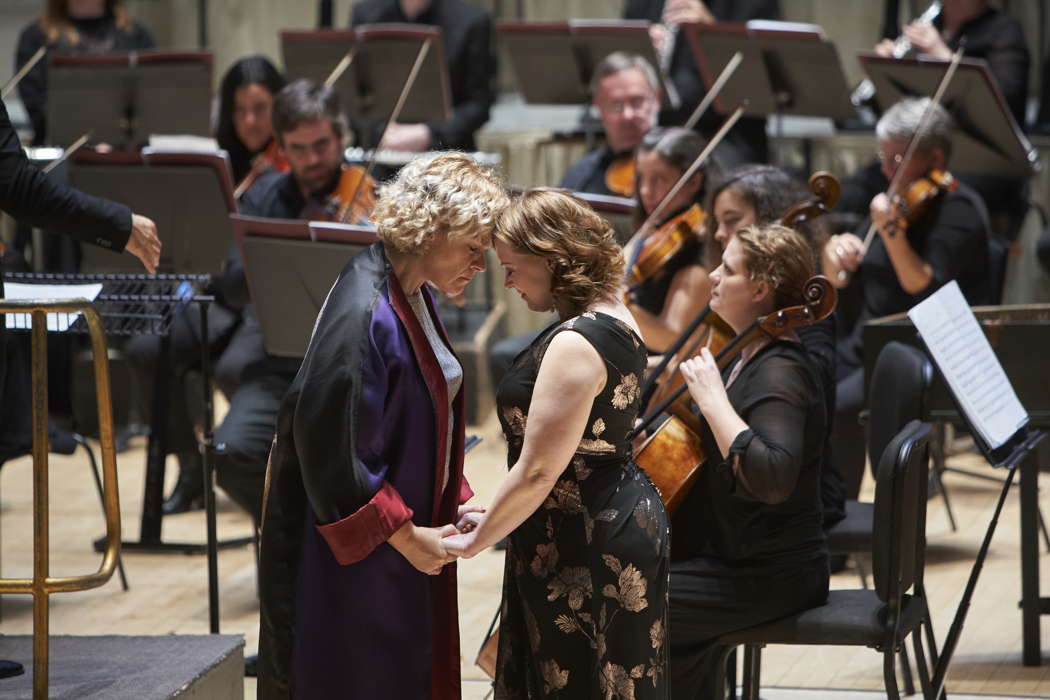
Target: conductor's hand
(143, 243)
(462, 545)
(469, 517)
(422, 546)
(682, 11)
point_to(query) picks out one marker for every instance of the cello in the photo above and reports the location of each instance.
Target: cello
(672, 455)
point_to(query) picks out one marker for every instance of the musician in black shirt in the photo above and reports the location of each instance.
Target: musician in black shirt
(946, 239)
(466, 35)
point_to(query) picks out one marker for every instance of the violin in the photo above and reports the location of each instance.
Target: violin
(664, 243)
(672, 455)
(350, 202)
(619, 176)
(270, 158)
(911, 203)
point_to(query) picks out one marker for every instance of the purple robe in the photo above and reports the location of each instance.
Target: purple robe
(359, 451)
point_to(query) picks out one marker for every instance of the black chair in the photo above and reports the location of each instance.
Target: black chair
(900, 384)
(885, 617)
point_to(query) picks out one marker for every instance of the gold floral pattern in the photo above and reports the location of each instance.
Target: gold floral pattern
(554, 678)
(625, 392)
(516, 420)
(598, 427)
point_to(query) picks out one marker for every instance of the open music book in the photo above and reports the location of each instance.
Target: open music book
(969, 365)
(52, 292)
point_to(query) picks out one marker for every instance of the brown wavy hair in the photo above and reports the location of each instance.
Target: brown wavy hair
(779, 256)
(55, 22)
(586, 261)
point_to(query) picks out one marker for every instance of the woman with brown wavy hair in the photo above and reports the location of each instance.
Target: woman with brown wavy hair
(585, 584)
(72, 26)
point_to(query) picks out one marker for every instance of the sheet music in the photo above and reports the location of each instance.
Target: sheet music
(60, 292)
(969, 365)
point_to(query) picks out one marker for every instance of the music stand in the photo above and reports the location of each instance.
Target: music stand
(383, 58)
(985, 138)
(122, 98)
(786, 69)
(541, 54)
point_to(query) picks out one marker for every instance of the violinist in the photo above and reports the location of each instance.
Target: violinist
(747, 545)
(931, 229)
(625, 90)
(760, 195)
(668, 284)
(245, 129)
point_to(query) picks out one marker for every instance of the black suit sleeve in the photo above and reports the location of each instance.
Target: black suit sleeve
(33, 86)
(27, 195)
(477, 65)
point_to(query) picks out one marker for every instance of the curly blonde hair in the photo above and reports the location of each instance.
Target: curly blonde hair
(586, 261)
(445, 192)
(781, 257)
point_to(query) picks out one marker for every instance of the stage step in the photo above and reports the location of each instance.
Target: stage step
(197, 667)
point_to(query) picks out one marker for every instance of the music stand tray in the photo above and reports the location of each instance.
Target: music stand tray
(384, 55)
(986, 138)
(291, 266)
(785, 69)
(553, 62)
(123, 98)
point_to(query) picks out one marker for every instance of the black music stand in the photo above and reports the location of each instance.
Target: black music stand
(383, 58)
(986, 138)
(553, 62)
(123, 98)
(786, 68)
(189, 196)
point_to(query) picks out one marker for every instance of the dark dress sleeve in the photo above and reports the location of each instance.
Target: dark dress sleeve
(766, 459)
(29, 196)
(954, 241)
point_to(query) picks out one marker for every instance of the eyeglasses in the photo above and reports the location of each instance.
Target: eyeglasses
(637, 104)
(894, 160)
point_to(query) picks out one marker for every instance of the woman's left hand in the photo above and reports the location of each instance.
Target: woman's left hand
(704, 381)
(469, 517)
(461, 545)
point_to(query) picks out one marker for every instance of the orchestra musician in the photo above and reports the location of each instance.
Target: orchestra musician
(664, 300)
(747, 143)
(366, 471)
(466, 35)
(941, 235)
(76, 27)
(625, 90)
(760, 195)
(245, 128)
(746, 543)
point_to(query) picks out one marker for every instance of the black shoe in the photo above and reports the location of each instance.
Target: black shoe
(251, 666)
(10, 668)
(189, 490)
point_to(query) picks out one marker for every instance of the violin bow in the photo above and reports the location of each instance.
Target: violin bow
(69, 150)
(913, 144)
(392, 118)
(340, 67)
(33, 60)
(716, 88)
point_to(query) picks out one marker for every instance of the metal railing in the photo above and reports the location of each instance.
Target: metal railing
(43, 585)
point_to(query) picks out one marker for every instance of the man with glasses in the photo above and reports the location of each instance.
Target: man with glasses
(915, 251)
(626, 92)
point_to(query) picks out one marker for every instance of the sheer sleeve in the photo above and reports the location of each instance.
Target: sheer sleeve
(765, 461)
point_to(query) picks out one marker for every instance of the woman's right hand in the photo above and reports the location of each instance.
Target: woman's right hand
(422, 546)
(841, 257)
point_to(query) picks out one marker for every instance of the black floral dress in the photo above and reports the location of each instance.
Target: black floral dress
(584, 611)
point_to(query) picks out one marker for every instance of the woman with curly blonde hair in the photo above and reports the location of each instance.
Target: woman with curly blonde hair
(366, 471)
(584, 609)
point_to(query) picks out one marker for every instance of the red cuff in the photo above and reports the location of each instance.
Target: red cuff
(465, 492)
(354, 537)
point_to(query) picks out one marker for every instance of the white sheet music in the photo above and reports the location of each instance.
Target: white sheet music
(61, 292)
(969, 365)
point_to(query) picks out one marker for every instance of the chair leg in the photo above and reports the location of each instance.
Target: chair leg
(79, 439)
(920, 663)
(862, 571)
(753, 671)
(909, 684)
(889, 673)
(727, 679)
(1042, 527)
(938, 484)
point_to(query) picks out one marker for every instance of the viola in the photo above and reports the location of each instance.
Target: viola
(270, 158)
(350, 202)
(672, 455)
(619, 176)
(664, 243)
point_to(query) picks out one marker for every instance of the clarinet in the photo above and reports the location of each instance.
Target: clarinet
(863, 93)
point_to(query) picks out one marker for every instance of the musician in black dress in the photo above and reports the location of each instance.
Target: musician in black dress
(585, 582)
(747, 540)
(945, 239)
(466, 35)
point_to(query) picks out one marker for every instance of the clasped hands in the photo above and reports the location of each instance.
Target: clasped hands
(430, 548)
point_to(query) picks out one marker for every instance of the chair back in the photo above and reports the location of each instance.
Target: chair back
(899, 527)
(900, 383)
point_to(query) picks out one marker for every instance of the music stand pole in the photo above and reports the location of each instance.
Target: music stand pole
(207, 448)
